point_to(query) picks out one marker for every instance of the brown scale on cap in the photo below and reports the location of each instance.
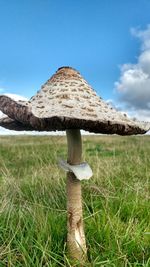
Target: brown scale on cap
(58, 105)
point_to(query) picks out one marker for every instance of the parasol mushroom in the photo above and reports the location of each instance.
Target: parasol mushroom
(67, 102)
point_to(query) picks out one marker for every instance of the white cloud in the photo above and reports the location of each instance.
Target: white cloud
(16, 97)
(134, 82)
(143, 35)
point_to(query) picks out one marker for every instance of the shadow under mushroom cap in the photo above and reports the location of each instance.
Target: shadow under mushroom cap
(66, 101)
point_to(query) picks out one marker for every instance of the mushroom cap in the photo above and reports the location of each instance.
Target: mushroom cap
(10, 124)
(67, 101)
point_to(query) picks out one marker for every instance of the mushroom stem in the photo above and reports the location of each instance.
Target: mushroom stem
(75, 238)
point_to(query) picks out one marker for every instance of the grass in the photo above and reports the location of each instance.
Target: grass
(33, 201)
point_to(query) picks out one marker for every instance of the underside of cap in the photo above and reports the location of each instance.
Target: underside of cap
(66, 101)
(10, 124)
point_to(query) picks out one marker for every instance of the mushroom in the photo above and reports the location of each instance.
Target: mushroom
(67, 102)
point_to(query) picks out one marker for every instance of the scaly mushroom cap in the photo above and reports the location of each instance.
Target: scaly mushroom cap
(66, 101)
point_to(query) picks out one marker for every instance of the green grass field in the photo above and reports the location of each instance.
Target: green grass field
(116, 201)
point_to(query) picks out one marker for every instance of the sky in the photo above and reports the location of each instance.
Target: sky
(107, 41)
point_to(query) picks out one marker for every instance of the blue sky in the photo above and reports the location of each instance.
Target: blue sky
(94, 37)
